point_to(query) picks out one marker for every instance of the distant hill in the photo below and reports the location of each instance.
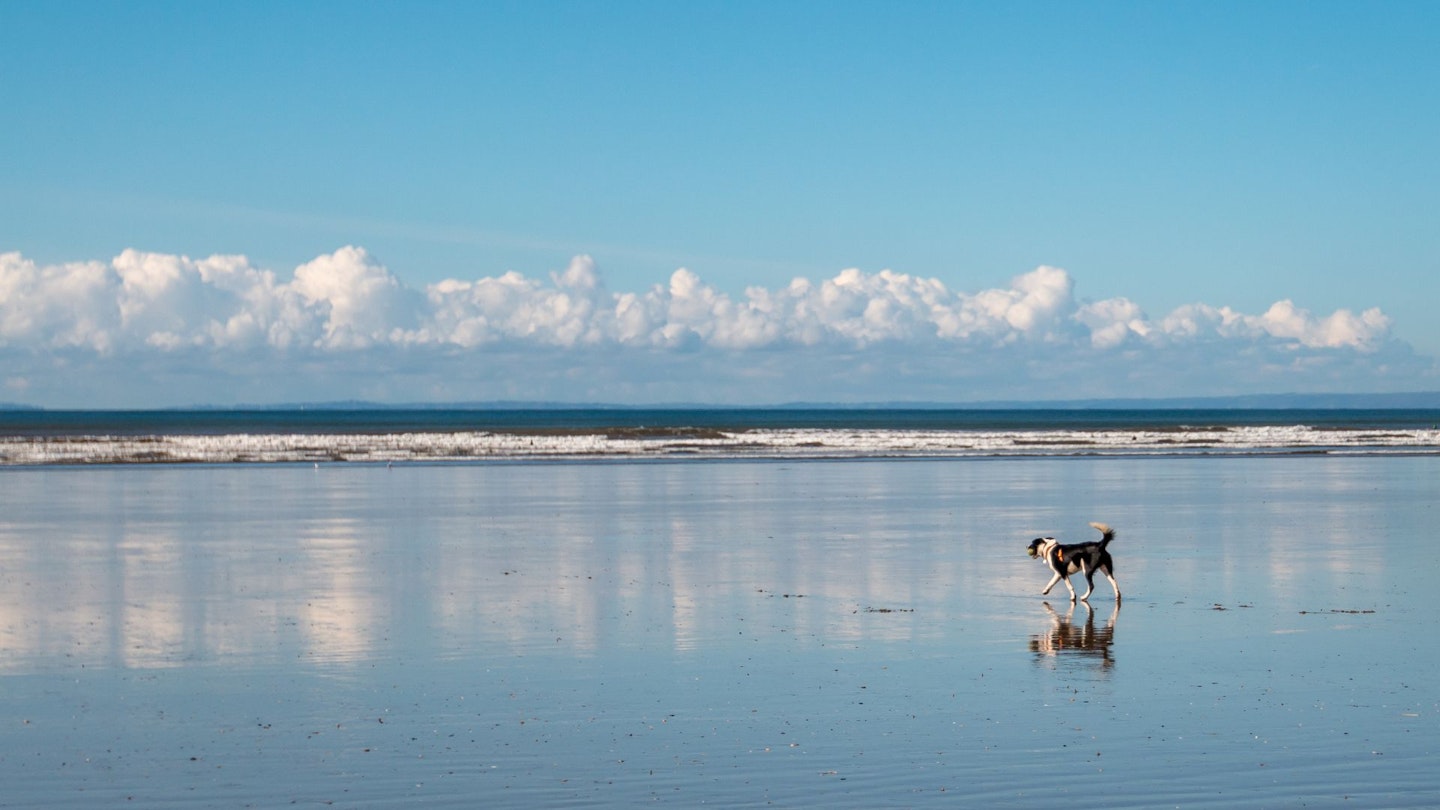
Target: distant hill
(1421, 400)
(1407, 400)
(1410, 400)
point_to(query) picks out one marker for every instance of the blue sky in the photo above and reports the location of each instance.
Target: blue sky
(1165, 156)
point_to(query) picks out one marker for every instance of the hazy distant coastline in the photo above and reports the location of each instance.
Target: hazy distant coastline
(1405, 400)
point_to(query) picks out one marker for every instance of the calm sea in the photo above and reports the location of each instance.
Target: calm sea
(347, 421)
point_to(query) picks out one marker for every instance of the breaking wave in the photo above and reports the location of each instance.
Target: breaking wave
(706, 443)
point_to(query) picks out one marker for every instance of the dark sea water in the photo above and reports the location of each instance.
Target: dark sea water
(183, 422)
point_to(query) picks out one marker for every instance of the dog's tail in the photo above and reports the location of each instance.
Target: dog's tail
(1107, 534)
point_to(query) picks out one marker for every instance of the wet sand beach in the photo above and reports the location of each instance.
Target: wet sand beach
(737, 633)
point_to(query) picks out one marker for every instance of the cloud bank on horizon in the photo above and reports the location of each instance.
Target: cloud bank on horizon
(148, 329)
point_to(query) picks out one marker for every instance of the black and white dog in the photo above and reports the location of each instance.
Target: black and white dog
(1084, 558)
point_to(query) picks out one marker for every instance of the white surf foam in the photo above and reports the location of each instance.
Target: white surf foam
(780, 444)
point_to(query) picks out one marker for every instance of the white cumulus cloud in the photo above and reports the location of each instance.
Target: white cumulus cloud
(900, 332)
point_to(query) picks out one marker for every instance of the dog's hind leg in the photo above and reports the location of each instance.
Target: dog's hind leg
(1107, 567)
(1111, 576)
(1089, 581)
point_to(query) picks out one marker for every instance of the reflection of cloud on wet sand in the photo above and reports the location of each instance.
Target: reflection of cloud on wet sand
(347, 564)
(146, 597)
(126, 610)
(328, 578)
(336, 619)
(150, 632)
(1066, 642)
(344, 564)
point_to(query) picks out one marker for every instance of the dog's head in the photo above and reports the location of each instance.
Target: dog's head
(1034, 548)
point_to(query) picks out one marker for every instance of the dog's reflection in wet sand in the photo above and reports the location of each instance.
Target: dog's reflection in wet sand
(1082, 641)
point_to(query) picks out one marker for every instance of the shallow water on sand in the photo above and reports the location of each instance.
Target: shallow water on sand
(841, 634)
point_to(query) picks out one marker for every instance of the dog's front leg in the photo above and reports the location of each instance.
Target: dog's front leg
(1068, 586)
(1051, 584)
